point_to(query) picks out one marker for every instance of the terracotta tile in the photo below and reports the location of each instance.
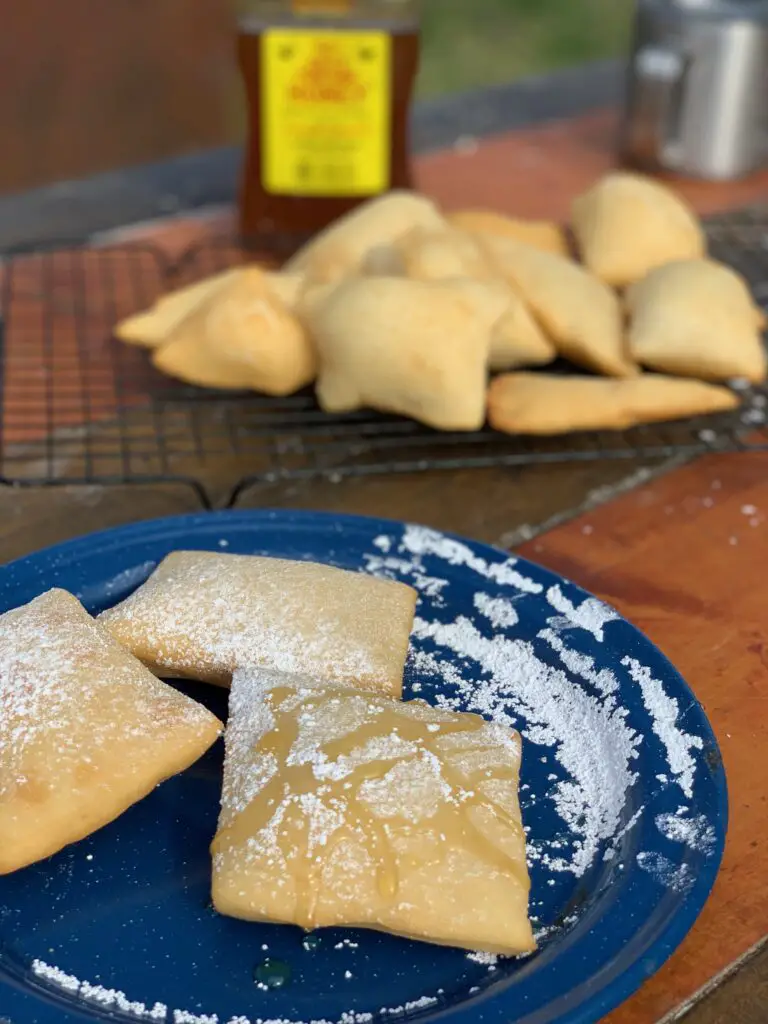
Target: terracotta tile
(537, 173)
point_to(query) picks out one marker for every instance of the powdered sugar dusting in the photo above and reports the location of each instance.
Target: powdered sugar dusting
(202, 614)
(591, 614)
(487, 959)
(695, 832)
(597, 756)
(391, 568)
(111, 999)
(107, 998)
(420, 541)
(668, 874)
(665, 713)
(68, 693)
(565, 703)
(499, 611)
(504, 680)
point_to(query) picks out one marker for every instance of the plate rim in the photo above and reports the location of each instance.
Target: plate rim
(623, 981)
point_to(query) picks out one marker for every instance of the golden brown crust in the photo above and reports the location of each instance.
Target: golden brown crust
(200, 614)
(341, 808)
(85, 729)
(627, 224)
(525, 403)
(696, 318)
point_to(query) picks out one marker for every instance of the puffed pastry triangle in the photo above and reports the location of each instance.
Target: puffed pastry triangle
(628, 224)
(697, 318)
(541, 234)
(152, 327)
(542, 403)
(201, 614)
(343, 808)
(85, 729)
(580, 313)
(242, 336)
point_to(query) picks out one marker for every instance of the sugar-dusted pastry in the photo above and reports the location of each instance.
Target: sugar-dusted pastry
(579, 313)
(541, 234)
(200, 614)
(152, 327)
(242, 336)
(627, 224)
(539, 403)
(341, 808)
(696, 318)
(430, 254)
(340, 249)
(418, 348)
(85, 729)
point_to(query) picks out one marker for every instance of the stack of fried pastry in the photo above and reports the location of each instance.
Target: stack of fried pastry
(404, 308)
(341, 804)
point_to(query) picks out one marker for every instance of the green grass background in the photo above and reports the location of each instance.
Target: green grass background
(471, 43)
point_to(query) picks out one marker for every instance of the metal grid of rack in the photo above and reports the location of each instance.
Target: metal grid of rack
(78, 407)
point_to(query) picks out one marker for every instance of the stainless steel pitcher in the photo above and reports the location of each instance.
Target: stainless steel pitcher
(697, 99)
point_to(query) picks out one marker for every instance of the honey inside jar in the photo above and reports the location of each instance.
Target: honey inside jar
(328, 86)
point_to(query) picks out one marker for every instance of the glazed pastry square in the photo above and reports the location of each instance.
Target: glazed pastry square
(202, 614)
(343, 808)
(85, 729)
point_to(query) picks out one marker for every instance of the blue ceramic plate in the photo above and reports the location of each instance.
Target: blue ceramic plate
(623, 796)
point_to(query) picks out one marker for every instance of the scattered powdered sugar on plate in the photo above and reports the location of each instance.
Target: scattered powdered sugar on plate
(107, 998)
(581, 664)
(499, 611)
(110, 999)
(420, 541)
(665, 711)
(695, 832)
(592, 740)
(128, 579)
(503, 679)
(668, 874)
(487, 959)
(591, 614)
(389, 568)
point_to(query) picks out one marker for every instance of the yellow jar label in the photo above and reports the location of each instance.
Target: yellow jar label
(326, 110)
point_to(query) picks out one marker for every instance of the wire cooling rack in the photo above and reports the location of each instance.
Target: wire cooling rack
(76, 406)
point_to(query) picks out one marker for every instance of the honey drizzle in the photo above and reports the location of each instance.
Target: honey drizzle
(282, 803)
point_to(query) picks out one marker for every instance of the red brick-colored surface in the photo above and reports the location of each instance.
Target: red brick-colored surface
(537, 172)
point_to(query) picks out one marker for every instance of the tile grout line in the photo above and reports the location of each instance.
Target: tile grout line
(678, 1014)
